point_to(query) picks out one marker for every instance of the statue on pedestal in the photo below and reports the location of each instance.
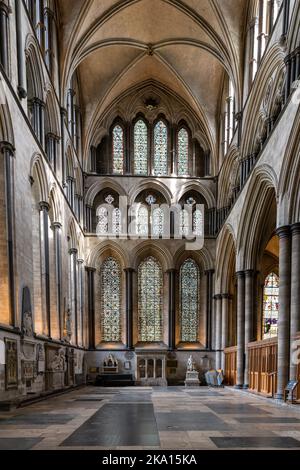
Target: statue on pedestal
(68, 325)
(192, 375)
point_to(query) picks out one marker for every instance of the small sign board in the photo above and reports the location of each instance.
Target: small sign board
(289, 390)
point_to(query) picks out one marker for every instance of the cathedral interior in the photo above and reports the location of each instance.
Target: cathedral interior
(150, 222)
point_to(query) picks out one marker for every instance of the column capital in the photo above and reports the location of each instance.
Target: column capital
(73, 251)
(4, 7)
(172, 270)
(217, 297)
(90, 269)
(56, 225)
(80, 261)
(295, 228)
(249, 272)
(284, 231)
(63, 111)
(240, 274)
(226, 296)
(44, 206)
(8, 147)
(209, 271)
(129, 270)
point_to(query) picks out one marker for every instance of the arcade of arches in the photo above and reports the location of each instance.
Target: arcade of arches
(158, 103)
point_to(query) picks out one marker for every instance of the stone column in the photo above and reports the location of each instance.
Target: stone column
(80, 263)
(225, 310)
(209, 296)
(284, 235)
(20, 51)
(56, 226)
(44, 218)
(129, 307)
(172, 310)
(91, 306)
(4, 43)
(249, 311)
(295, 292)
(63, 119)
(73, 253)
(240, 328)
(218, 327)
(7, 151)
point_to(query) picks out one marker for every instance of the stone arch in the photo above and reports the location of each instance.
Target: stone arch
(98, 186)
(274, 60)
(225, 259)
(108, 248)
(199, 188)
(150, 183)
(34, 73)
(146, 249)
(263, 189)
(38, 175)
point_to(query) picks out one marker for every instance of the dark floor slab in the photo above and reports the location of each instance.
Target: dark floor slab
(131, 398)
(37, 419)
(235, 408)
(255, 442)
(268, 419)
(118, 425)
(190, 421)
(18, 443)
(203, 394)
(88, 399)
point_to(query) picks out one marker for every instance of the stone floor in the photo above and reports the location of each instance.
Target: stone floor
(152, 418)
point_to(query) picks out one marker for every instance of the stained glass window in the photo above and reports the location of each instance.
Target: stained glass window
(198, 223)
(189, 301)
(150, 290)
(184, 222)
(183, 152)
(158, 222)
(142, 221)
(102, 226)
(160, 149)
(270, 306)
(140, 148)
(116, 221)
(110, 275)
(118, 149)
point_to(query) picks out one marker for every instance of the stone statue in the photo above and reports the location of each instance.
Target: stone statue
(192, 375)
(68, 326)
(110, 361)
(27, 324)
(58, 361)
(27, 321)
(191, 364)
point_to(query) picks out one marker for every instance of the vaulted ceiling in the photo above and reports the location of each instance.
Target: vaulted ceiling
(186, 46)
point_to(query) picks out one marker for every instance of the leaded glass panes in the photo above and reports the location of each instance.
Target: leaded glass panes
(158, 222)
(110, 278)
(160, 149)
(270, 306)
(118, 149)
(102, 226)
(116, 221)
(183, 152)
(198, 223)
(142, 221)
(184, 220)
(150, 291)
(189, 301)
(140, 148)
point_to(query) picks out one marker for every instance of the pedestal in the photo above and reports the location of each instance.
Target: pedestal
(192, 379)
